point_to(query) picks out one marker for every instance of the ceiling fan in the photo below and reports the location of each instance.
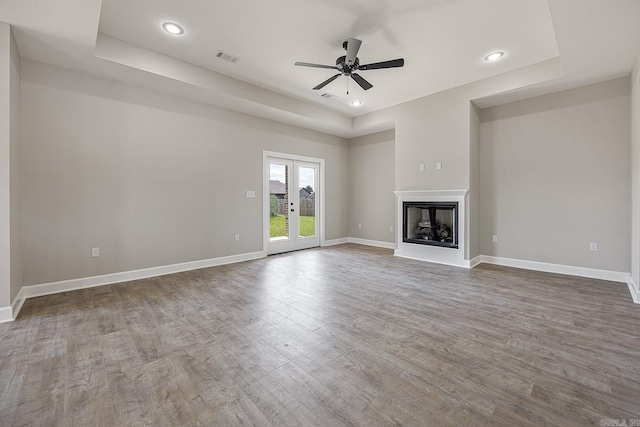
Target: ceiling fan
(349, 63)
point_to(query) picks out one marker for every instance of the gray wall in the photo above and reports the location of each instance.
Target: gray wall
(635, 181)
(155, 180)
(473, 218)
(435, 128)
(430, 130)
(15, 162)
(5, 146)
(555, 175)
(10, 213)
(440, 128)
(371, 186)
(149, 178)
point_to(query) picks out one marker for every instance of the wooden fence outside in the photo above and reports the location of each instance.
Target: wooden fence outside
(307, 207)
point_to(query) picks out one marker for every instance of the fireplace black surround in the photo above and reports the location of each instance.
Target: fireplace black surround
(430, 223)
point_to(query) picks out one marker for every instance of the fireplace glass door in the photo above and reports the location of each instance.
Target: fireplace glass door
(431, 223)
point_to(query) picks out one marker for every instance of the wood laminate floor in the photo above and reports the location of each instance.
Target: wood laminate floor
(347, 335)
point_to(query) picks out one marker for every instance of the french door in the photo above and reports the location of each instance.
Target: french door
(293, 204)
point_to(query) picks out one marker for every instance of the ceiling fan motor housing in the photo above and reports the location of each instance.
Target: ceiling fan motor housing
(341, 63)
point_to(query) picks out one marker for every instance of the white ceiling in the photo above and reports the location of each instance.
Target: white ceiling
(443, 43)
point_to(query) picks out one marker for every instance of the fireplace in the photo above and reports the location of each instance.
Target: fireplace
(430, 223)
(431, 226)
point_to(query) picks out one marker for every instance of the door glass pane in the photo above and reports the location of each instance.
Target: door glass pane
(279, 201)
(306, 192)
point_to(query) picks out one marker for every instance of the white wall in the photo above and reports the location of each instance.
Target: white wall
(148, 178)
(555, 176)
(635, 167)
(15, 178)
(371, 186)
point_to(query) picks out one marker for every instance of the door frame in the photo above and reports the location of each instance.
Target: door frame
(266, 234)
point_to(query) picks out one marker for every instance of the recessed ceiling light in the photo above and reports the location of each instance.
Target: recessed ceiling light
(493, 56)
(356, 103)
(172, 28)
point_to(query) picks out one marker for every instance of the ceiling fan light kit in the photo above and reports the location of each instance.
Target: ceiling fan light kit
(348, 64)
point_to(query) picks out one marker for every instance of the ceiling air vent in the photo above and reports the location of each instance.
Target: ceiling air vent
(227, 57)
(328, 95)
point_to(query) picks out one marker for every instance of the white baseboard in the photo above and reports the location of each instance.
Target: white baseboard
(592, 273)
(11, 312)
(463, 264)
(475, 261)
(367, 242)
(335, 242)
(376, 243)
(633, 288)
(6, 314)
(17, 303)
(125, 276)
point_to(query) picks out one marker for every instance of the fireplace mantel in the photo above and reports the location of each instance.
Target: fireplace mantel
(435, 254)
(435, 193)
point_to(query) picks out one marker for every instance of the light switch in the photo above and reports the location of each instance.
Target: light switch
(438, 165)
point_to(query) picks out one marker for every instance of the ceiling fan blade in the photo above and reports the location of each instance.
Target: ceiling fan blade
(326, 82)
(394, 63)
(353, 46)
(307, 64)
(362, 82)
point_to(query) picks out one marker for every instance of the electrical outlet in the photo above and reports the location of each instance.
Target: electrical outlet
(438, 165)
(251, 194)
(494, 239)
(237, 237)
(95, 252)
(593, 247)
(390, 229)
(359, 225)
(422, 167)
